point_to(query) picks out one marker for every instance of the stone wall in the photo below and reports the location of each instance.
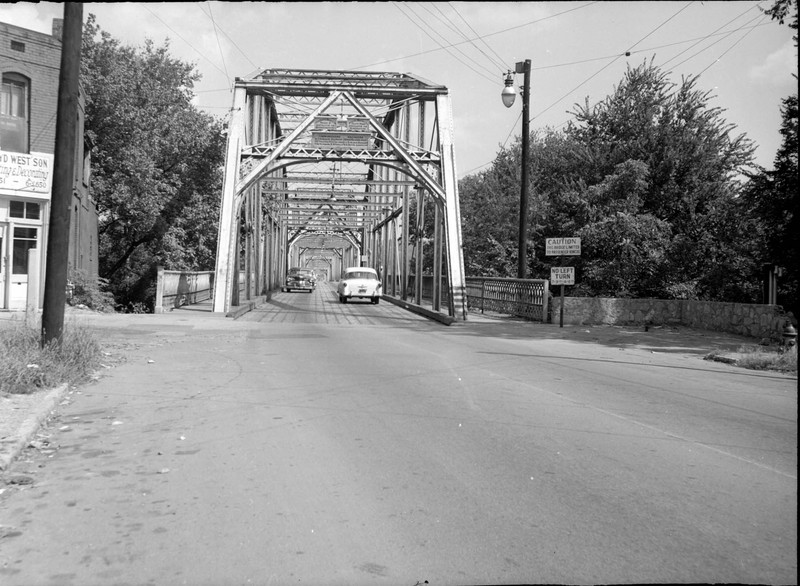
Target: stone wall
(757, 321)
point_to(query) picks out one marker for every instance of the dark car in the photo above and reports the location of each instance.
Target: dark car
(298, 279)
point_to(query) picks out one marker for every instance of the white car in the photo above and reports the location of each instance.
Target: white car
(359, 283)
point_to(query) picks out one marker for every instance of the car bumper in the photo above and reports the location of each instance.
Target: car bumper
(299, 286)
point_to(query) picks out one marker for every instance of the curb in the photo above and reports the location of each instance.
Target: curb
(721, 358)
(240, 310)
(31, 425)
(419, 310)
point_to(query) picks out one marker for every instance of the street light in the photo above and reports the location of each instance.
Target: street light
(508, 94)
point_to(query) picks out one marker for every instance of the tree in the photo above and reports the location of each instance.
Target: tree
(156, 163)
(649, 178)
(772, 196)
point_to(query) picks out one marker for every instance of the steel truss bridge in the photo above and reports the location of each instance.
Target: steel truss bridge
(329, 169)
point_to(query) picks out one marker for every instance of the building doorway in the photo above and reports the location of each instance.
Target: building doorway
(3, 264)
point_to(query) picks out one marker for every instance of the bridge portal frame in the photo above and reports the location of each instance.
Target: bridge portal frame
(264, 219)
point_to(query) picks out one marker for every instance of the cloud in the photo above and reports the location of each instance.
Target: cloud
(31, 16)
(777, 67)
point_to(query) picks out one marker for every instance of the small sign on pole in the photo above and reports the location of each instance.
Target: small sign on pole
(562, 275)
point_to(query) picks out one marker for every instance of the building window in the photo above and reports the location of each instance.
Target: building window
(25, 209)
(24, 240)
(18, 46)
(14, 113)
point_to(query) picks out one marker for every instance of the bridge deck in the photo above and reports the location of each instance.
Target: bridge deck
(322, 307)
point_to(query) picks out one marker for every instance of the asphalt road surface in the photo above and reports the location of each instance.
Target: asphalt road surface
(311, 442)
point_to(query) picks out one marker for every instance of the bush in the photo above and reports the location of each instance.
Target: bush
(26, 367)
(89, 291)
(756, 358)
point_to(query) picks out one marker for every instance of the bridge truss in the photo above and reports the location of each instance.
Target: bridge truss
(329, 169)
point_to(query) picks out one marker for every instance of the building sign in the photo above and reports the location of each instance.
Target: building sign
(562, 275)
(22, 172)
(562, 247)
(341, 132)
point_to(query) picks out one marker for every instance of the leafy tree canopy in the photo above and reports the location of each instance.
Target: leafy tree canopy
(156, 162)
(649, 178)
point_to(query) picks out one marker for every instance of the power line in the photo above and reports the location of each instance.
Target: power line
(227, 36)
(449, 24)
(717, 41)
(196, 50)
(707, 37)
(445, 47)
(538, 20)
(500, 60)
(728, 49)
(221, 54)
(601, 69)
(454, 27)
(646, 50)
(612, 62)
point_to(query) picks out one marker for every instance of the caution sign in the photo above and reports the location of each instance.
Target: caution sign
(562, 275)
(562, 246)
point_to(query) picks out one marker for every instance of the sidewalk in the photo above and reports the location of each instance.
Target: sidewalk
(21, 416)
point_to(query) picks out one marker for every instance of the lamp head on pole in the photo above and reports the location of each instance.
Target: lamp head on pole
(509, 93)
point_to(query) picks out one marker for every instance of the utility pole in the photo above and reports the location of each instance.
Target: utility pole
(508, 96)
(522, 263)
(55, 283)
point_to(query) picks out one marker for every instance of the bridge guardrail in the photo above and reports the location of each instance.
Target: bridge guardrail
(526, 298)
(177, 288)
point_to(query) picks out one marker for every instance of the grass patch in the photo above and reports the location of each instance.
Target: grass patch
(25, 367)
(757, 358)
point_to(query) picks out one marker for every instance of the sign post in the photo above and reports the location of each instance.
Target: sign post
(562, 275)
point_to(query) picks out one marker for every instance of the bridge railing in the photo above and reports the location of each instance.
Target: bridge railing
(526, 298)
(178, 288)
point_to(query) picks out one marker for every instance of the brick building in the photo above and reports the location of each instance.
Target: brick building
(29, 65)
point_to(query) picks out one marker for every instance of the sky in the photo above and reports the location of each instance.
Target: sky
(577, 52)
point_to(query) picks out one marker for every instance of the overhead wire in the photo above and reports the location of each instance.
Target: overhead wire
(445, 47)
(598, 72)
(647, 49)
(499, 59)
(227, 36)
(455, 28)
(700, 40)
(728, 34)
(483, 37)
(195, 49)
(219, 45)
(717, 60)
(445, 20)
(606, 57)
(585, 81)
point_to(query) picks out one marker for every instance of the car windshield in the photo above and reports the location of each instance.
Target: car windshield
(361, 275)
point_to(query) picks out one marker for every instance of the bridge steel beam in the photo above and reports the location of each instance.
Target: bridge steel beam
(229, 209)
(281, 213)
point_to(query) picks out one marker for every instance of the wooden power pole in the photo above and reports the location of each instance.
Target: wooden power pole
(55, 284)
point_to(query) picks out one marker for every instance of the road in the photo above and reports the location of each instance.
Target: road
(311, 442)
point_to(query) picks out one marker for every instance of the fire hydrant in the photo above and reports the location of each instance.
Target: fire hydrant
(789, 337)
